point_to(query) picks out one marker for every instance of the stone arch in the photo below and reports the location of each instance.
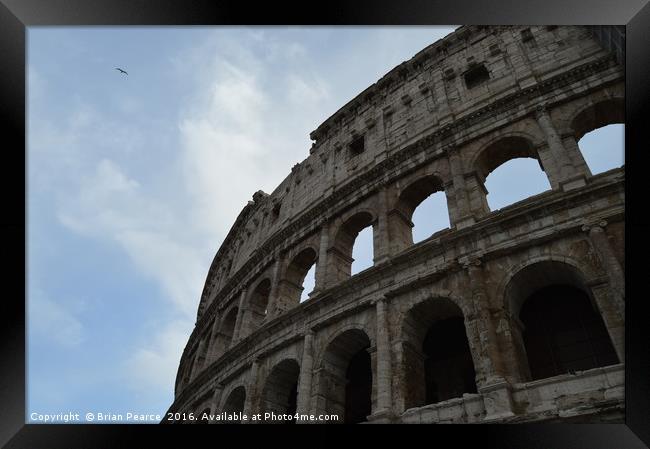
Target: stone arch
(280, 391)
(502, 148)
(290, 286)
(558, 320)
(431, 371)
(234, 402)
(400, 217)
(258, 303)
(345, 377)
(597, 114)
(562, 269)
(344, 238)
(226, 334)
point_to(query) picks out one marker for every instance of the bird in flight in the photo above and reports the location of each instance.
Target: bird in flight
(123, 71)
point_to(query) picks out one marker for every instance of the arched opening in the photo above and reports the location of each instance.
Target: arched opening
(259, 303)
(448, 367)
(292, 286)
(524, 173)
(438, 364)
(234, 405)
(345, 379)
(351, 235)
(600, 133)
(420, 211)
(560, 327)
(509, 162)
(224, 337)
(280, 392)
(430, 217)
(604, 148)
(563, 332)
(308, 284)
(362, 251)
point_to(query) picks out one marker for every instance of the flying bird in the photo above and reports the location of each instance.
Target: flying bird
(123, 71)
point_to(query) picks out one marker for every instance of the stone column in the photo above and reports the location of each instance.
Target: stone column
(320, 274)
(196, 367)
(214, 339)
(477, 194)
(492, 368)
(562, 172)
(614, 322)
(573, 150)
(491, 384)
(207, 347)
(384, 372)
(602, 247)
(306, 372)
(239, 332)
(380, 235)
(275, 288)
(216, 399)
(251, 391)
(463, 210)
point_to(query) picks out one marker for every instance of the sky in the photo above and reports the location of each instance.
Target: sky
(133, 181)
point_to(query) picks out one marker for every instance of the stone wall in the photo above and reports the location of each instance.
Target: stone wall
(441, 121)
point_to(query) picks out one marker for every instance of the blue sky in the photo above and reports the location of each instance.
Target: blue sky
(134, 181)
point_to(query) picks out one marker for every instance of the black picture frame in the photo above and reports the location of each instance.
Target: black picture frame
(16, 15)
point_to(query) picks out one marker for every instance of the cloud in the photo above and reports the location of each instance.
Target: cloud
(254, 104)
(112, 207)
(153, 366)
(53, 321)
(302, 91)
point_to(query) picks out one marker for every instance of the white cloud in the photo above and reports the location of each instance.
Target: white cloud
(153, 366)
(112, 207)
(303, 92)
(53, 320)
(241, 134)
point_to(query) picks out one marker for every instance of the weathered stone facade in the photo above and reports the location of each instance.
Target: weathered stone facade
(441, 121)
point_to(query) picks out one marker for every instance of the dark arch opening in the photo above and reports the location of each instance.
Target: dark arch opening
(259, 303)
(524, 285)
(291, 286)
(235, 403)
(224, 338)
(358, 389)
(280, 391)
(511, 161)
(564, 332)
(448, 366)
(438, 364)
(345, 379)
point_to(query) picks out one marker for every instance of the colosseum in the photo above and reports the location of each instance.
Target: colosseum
(507, 316)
